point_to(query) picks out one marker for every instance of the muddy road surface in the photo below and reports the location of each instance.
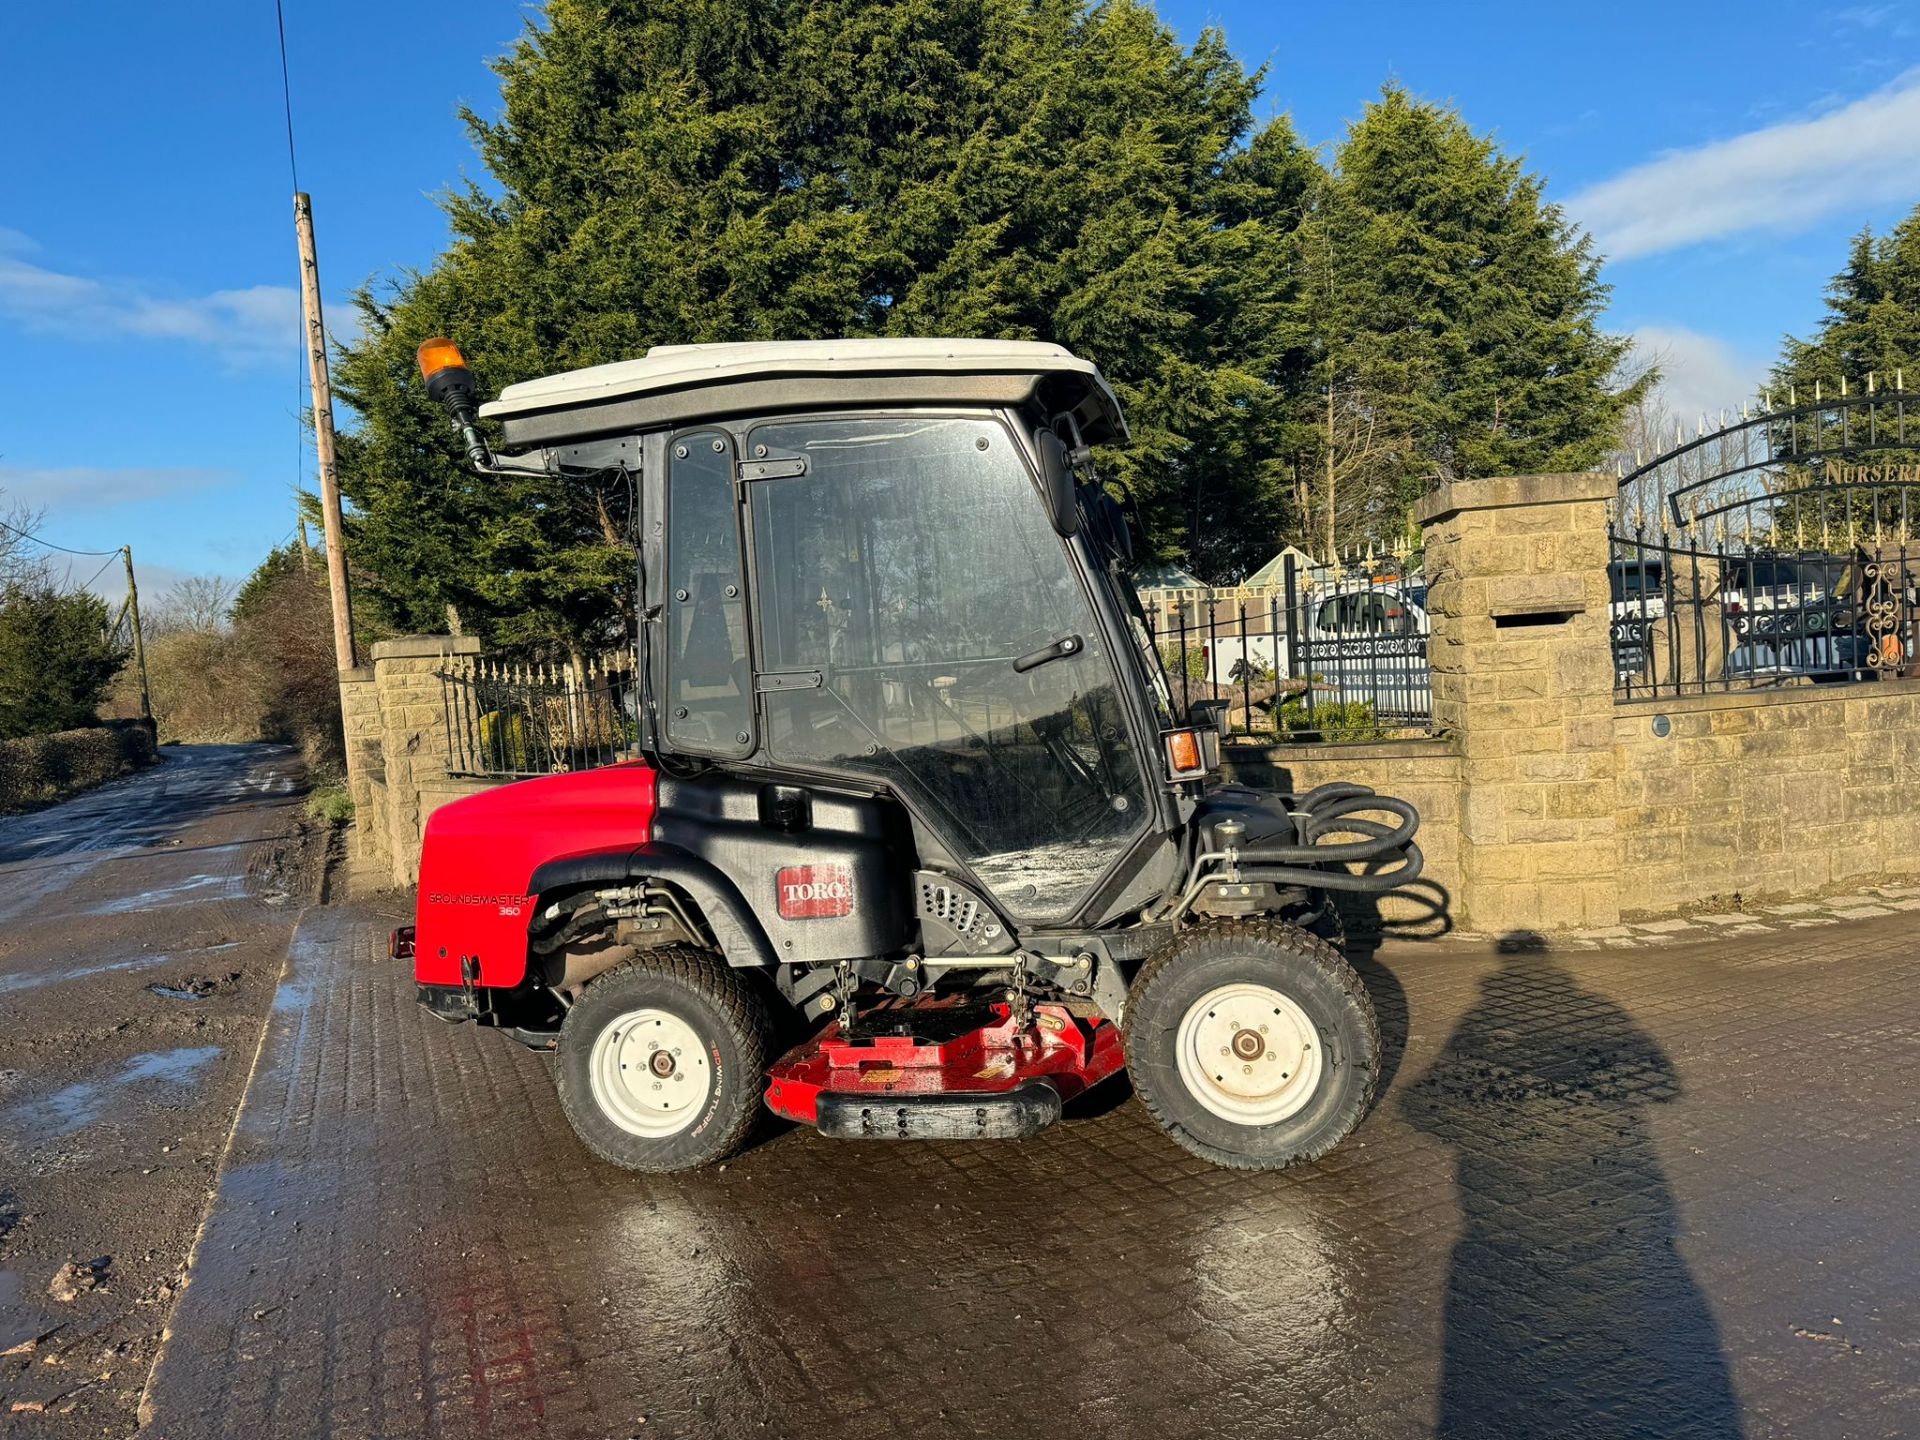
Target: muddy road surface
(143, 927)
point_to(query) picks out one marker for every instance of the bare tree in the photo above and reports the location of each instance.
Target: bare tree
(21, 560)
(199, 605)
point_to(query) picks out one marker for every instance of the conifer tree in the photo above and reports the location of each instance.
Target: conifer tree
(760, 169)
(1872, 324)
(1456, 315)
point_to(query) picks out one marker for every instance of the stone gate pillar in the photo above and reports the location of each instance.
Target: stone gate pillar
(1523, 685)
(413, 735)
(366, 770)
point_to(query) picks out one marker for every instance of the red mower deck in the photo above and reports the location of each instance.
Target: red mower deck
(898, 1077)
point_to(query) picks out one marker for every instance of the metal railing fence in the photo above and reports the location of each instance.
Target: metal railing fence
(1688, 620)
(510, 720)
(1335, 652)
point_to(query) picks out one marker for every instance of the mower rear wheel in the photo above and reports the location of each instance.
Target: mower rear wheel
(1252, 1043)
(661, 1061)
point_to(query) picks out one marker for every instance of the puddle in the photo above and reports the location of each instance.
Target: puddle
(193, 888)
(32, 980)
(197, 987)
(10, 984)
(79, 1105)
(16, 1323)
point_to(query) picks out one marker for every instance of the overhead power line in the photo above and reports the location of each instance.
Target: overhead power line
(286, 89)
(63, 549)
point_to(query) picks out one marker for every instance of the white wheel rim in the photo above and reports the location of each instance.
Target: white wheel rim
(1249, 1054)
(650, 1072)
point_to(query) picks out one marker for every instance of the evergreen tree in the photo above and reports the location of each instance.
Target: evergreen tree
(760, 169)
(56, 658)
(1872, 324)
(1457, 318)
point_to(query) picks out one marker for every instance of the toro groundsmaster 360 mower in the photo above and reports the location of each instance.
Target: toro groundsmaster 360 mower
(913, 781)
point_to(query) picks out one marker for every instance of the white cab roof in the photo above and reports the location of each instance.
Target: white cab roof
(681, 367)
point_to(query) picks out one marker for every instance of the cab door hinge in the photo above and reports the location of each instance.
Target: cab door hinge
(773, 469)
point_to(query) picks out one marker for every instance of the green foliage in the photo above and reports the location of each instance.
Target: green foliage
(56, 659)
(772, 169)
(1333, 720)
(1454, 316)
(1872, 324)
(1192, 659)
(330, 804)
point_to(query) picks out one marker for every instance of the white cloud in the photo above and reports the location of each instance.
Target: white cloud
(243, 326)
(90, 487)
(1783, 177)
(1699, 374)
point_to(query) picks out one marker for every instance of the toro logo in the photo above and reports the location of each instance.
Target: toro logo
(814, 892)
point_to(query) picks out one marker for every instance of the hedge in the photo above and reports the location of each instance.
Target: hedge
(36, 769)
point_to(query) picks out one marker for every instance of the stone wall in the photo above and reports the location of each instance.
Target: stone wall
(1767, 793)
(1547, 807)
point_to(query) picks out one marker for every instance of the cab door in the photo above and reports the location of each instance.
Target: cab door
(920, 623)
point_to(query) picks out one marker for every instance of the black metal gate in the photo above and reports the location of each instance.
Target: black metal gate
(1334, 652)
(1776, 550)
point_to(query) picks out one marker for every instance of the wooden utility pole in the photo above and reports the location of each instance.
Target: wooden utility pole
(139, 641)
(323, 434)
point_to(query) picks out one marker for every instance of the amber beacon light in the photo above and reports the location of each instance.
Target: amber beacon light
(450, 385)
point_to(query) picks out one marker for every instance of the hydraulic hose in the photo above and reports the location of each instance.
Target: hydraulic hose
(1328, 810)
(1336, 808)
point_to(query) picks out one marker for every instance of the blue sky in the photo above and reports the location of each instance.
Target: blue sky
(150, 369)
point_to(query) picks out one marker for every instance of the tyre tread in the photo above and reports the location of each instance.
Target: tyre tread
(745, 1013)
(1270, 931)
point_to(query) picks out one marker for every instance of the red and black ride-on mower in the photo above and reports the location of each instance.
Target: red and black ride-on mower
(913, 780)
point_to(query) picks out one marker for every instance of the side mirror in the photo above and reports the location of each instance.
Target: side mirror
(1056, 483)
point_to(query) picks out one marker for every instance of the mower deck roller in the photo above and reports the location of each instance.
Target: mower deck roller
(907, 777)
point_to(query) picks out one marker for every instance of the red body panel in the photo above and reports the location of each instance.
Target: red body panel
(480, 853)
(1070, 1052)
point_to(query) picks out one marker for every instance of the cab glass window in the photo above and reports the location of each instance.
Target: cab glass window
(709, 683)
(921, 622)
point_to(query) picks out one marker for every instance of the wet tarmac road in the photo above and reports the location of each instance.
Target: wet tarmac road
(1656, 1193)
(143, 926)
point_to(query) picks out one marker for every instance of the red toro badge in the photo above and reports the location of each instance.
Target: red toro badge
(814, 892)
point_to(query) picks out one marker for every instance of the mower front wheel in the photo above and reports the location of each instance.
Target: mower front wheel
(1252, 1043)
(661, 1061)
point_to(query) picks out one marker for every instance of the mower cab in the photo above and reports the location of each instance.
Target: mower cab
(913, 786)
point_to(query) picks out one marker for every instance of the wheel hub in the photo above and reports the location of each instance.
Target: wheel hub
(1249, 1054)
(650, 1073)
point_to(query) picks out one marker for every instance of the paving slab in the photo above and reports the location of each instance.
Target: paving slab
(1608, 1193)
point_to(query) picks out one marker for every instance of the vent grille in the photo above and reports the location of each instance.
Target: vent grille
(960, 912)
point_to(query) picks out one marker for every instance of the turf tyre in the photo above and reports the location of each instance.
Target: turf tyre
(722, 1009)
(1320, 989)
